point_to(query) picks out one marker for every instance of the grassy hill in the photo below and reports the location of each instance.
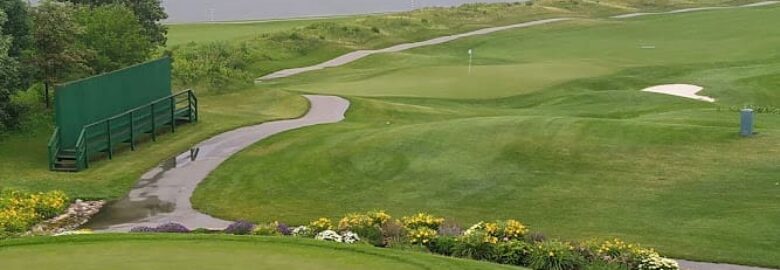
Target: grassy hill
(550, 127)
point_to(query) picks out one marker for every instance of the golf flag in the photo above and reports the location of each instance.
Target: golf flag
(471, 51)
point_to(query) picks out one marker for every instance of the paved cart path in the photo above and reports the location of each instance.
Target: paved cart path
(163, 194)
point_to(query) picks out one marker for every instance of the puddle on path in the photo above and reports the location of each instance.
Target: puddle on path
(129, 210)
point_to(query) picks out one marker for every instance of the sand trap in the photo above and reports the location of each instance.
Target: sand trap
(680, 90)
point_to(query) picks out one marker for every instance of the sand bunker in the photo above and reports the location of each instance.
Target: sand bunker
(680, 90)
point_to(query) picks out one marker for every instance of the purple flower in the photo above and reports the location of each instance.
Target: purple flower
(172, 228)
(240, 228)
(283, 229)
(142, 229)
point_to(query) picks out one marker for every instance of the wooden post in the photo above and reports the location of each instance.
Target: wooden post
(132, 132)
(108, 134)
(154, 125)
(173, 114)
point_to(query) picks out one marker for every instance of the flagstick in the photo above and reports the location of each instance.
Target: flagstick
(471, 55)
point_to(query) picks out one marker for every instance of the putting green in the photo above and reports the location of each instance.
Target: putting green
(520, 61)
(573, 147)
(125, 252)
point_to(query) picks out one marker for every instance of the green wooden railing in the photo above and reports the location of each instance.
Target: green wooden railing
(103, 136)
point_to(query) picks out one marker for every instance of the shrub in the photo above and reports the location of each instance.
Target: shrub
(142, 229)
(354, 221)
(266, 229)
(379, 217)
(513, 252)
(283, 229)
(443, 245)
(554, 255)
(320, 225)
(393, 232)
(421, 235)
(422, 220)
(512, 230)
(653, 261)
(448, 228)
(19, 210)
(535, 237)
(477, 246)
(171, 228)
(240, 228)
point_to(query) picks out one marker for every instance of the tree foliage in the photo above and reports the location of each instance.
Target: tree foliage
(149, 13)
(17, 25)
(9, 113)
(58, 55)
(115, 36)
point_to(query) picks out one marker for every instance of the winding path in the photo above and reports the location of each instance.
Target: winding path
(163, 194)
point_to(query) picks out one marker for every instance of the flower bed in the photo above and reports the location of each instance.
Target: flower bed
(503, 241)
(19, 211)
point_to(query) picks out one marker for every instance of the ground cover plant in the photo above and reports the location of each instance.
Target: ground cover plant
(173, 251)
(551, 127)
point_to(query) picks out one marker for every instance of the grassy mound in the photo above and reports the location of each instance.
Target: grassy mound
(550, 128)
(213, 252)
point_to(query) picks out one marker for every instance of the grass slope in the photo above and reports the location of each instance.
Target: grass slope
(125, 252)
(23, 156)
(576, 154)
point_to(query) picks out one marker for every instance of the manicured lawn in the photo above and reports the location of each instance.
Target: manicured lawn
(149, 252)
(23, 156)
(551, 128)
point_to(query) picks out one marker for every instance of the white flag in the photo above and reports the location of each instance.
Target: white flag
(471, 51)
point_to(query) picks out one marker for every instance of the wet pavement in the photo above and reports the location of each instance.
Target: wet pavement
(163, 194)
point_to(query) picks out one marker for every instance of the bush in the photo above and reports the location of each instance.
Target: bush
(477, 246)
(302, 231)
(421, 236)
(329, 235)
(422, 220)
(535, 237)
(19, 210)
(171, 228)
(513, 252)
(320, 225)
(554, 255)
(449, 228)
(443, 245)
(266, 229)
(240, 228)
(283, 229)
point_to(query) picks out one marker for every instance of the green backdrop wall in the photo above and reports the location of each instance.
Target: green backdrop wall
(80, 103)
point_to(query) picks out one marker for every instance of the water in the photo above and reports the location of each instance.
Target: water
(183, 11)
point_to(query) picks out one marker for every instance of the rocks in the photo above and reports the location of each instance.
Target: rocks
(76, 215)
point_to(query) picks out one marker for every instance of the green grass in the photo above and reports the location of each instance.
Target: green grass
(124, 252)
(179, 34)
(551, 128)
(23, 156)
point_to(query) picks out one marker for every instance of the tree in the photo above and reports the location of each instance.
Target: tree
(58, 54)
(149, 13)
(17, 26)
(9, 112)
(115, 36)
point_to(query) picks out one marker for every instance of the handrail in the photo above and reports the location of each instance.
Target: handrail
(82, 150)
(54, 147)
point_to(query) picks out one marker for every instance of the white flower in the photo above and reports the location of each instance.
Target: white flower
(329, 235)
(301, 231)
(350, 237)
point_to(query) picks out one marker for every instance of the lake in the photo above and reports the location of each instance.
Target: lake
(183, 11)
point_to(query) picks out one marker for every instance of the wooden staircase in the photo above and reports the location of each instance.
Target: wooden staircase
(105, 135)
